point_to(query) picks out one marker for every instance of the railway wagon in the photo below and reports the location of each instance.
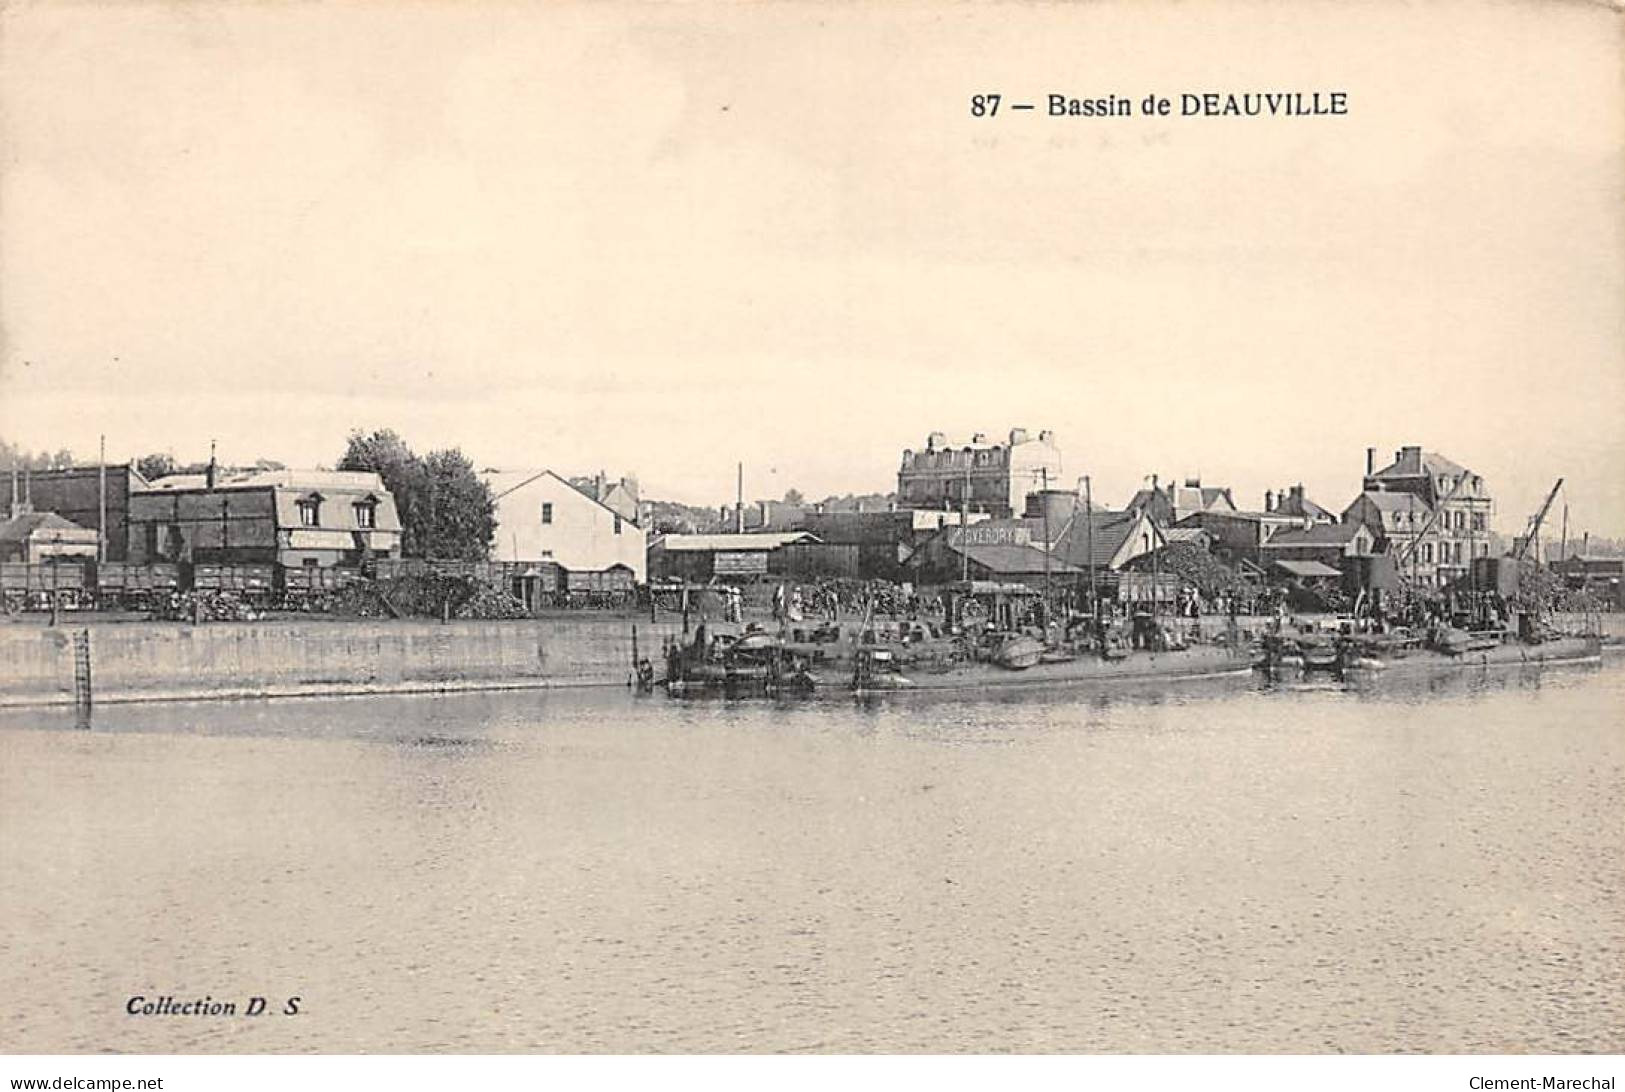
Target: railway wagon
(31, 585)
(122, 586)
(254, 583)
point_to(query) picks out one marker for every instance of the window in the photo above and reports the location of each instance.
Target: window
(547, 511)
(310, 511)
(366, 515)
(617, 525)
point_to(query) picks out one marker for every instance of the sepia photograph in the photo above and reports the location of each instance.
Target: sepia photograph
(1052, 529)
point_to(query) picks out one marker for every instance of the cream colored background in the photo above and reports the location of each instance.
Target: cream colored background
(664, 238)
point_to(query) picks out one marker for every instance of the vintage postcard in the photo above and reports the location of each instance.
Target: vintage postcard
(709, 528)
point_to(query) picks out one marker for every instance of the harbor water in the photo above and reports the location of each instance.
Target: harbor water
(1424, 864)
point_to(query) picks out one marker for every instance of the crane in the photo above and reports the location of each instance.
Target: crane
(1534, 523)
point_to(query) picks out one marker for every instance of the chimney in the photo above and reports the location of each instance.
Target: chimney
(1153, 483)
(1018, 436)
(1370, 461)
(1297, 491)
(213, 470)
(1269, 500)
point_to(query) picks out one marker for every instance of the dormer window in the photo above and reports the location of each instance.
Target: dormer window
(366, 513)
(310, 510)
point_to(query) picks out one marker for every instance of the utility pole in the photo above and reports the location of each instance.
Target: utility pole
(1089, 543)
(964, 525)
(101, 510)
(1043, 499)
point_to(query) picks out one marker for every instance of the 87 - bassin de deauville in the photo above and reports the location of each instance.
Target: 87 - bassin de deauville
(1207, 104)
(1541, 1084)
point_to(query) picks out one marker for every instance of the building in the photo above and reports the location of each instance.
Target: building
(544, 517)
(1325, 543)
(699, 558)
(1106, 541)
(76, 494)
(1292, 502)
(1434, 513)
(979, 476)
(300, 518)
(621, 496)
(1017, 550)
(1168, 504)
(1240, 536)
(44, 536)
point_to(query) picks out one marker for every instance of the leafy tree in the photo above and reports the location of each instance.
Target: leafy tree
(460, 520)
(445, 510)
(14, 456)
(793, 496)
(156, 465)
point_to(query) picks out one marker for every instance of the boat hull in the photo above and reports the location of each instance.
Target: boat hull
(1562, 650)
(1196, 663)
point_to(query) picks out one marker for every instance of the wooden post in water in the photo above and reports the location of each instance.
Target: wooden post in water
(81, 671)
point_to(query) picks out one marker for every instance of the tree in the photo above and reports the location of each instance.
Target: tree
(155, 466)
(445, 510)
(793, 496)
(460, 520)
(12, 456)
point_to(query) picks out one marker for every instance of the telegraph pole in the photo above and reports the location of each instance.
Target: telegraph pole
(101, 510)
(1043, 499)
(964, 525)
(1089, 544)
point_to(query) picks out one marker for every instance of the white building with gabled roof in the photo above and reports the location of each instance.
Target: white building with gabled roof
(542, 517)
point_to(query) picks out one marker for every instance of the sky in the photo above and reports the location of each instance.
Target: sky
(664, 240)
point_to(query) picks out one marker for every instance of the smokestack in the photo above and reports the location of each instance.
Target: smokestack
(212, 472)
(1370, 461)
(739, 501)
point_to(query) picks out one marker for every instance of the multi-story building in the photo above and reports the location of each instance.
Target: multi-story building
(1434, 513)
(544, 517)
(301, 518)
(980, 476)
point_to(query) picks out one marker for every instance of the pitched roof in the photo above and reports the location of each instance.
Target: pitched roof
(20, 527)
(1307, 568)
(1110, 531)
(1321, 534)
(503, 482)
(1413, 462)
(1392, 502)
(1016, 560)
(333, 480)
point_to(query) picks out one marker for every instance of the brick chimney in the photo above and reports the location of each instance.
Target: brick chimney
(1370, 461)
